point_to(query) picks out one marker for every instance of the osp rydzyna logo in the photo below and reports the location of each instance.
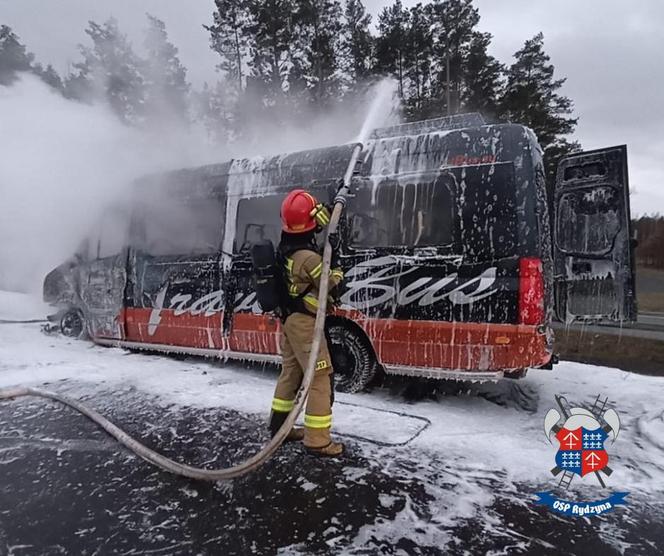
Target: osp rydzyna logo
(581, 434)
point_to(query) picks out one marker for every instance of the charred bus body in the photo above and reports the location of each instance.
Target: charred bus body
(452, 268)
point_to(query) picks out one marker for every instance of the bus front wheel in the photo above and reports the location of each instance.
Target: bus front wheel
(72, 323)
(353, 358)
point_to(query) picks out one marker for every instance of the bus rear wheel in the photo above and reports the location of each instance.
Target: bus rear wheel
(353, 358)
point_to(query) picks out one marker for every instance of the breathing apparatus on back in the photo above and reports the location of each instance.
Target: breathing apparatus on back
(302, 216)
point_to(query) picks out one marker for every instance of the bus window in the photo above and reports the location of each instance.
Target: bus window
(174, 226)
(404, 215)
(489, 226)
(258, 219)
(113, 234)
(588, 220)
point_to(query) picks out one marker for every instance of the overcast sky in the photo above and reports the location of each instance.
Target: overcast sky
(609, 50)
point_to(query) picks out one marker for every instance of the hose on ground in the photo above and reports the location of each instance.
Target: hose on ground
(29, 321)
(266, 452)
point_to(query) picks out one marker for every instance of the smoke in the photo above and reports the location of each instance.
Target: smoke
(374, 105)
(63, 163)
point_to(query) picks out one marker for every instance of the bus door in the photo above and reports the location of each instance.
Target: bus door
(593, 258)
(247, 328)
(103, 276)
(177, 296)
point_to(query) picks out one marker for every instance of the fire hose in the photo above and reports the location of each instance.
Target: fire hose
(271, 447)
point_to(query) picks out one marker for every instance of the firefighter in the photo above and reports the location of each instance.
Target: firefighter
(302, 216)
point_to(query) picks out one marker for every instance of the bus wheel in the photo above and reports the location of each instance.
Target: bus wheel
(72, 323)
(353, 357)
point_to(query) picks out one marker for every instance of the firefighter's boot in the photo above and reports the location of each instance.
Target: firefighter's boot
(277, 419)
(332, 450)
(296, 434)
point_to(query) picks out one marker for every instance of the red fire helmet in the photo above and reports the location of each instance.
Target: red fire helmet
(297, 212)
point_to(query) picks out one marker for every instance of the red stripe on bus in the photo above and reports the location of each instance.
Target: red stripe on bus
(418, 343)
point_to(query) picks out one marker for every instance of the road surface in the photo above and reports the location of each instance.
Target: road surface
(444, 474)
(648, 325)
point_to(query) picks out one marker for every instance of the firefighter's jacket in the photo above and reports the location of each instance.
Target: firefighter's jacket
(303, 272)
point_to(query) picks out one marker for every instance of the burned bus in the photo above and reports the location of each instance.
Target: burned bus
(454, 268)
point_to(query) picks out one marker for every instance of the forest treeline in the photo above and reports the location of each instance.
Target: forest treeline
(282, 60)
(650, 236)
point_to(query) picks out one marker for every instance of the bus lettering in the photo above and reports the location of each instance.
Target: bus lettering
(375, 289)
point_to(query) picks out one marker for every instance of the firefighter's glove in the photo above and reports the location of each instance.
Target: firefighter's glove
(335, 244)
(321, 215)
(342, 193)
(335, 241)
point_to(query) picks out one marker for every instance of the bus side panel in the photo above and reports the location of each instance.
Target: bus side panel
(458, 346)
(175, 300)
(255, 333)
(162, 326)
(101, 296)
(180, 301)
(426, 313)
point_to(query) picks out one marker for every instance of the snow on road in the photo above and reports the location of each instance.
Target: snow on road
(485, 445)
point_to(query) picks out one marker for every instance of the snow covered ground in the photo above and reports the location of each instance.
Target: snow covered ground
(443, 474)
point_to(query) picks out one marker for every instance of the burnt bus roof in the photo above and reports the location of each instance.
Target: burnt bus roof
(414, 148)
(444, 123)
(284, 171)
(436, 150)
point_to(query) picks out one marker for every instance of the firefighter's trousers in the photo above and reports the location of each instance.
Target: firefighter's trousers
(296, 339)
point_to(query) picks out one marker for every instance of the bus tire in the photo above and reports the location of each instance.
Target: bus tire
(516, 375)
(72, 323)
(353, 358)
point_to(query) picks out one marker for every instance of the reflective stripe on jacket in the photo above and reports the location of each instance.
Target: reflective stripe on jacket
(303, 271)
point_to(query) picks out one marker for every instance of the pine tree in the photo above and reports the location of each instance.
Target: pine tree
(418, 54)
(14, 56)
(110, 67)
(228, 38)
(391, 43)
(483, 79)
(453, 23)
(77, 85)
(317, 28)
(270, 34)
(166, 87)
(531, 98)
(356, 43)
(49, 76)
(212, 109)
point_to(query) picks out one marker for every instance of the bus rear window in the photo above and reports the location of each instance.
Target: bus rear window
(588, 220)
(394, 214)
